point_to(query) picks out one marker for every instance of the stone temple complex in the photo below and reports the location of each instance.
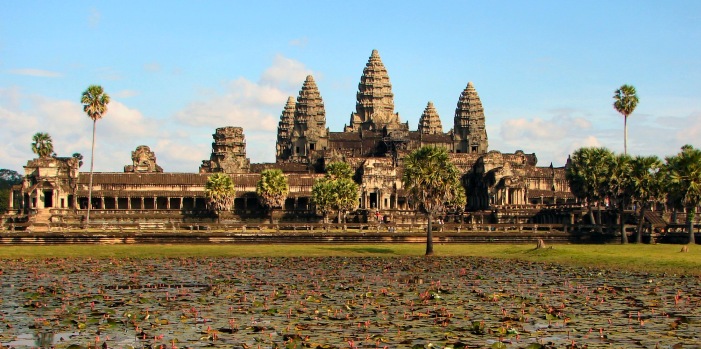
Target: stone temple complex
(504, 187)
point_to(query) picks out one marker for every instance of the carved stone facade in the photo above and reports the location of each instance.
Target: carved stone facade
(469, 131)
(374, 144)
(228, 152)
(374, 108)
(430, 122)
(310, 137)
(143, 160)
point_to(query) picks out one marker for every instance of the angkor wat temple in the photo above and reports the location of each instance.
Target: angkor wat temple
(503, 187)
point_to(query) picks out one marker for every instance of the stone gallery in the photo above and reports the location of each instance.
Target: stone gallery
(374, 142)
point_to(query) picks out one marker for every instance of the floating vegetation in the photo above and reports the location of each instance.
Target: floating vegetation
(340, 302)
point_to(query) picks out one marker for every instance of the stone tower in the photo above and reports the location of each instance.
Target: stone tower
(430, 122)
(374, 107)
(228, 152)
(309, 134)
(284, 131)
(470, 134)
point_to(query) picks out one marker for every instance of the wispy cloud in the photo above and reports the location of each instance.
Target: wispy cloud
(299, 42)
(94, 18)
(125, 94)
(40, 73)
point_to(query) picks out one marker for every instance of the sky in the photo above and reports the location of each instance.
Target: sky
(545, 71)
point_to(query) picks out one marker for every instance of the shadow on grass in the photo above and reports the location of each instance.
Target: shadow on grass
(361, 249)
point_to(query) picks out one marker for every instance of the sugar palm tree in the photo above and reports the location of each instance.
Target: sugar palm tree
(617, 188)
(645, 186)
(272, 189)
(683, 172)
(220, 192)
(587, 172)
(42, 145)
(94, 100)
(430, 180)
(626, 101)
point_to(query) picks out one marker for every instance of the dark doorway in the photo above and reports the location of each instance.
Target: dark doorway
(48, 198)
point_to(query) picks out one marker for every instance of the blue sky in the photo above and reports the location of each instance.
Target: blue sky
(545, 71)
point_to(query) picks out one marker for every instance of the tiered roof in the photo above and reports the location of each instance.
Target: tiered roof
(374, 100)
(430, 122)
(469, 123)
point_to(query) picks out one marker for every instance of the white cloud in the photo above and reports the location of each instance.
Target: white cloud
(124, 94)
(285, 73)
(255, 106)
(40, 73)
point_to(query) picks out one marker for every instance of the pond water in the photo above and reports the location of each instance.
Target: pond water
(341, 302)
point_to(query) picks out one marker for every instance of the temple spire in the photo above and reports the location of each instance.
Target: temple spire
(284, 130)
(310, 135)
(470, 134)
(430, 122)
(374, 108)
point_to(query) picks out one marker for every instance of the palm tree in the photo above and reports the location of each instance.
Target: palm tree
(220, 192)
(626, 101)
(617, 188)
(430, 180)
(587, 172)
(645, 186)
(272, 189)
(42, 145)
(684, 177)
(94, 101)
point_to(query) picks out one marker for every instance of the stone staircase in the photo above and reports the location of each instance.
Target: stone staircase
(40, 221)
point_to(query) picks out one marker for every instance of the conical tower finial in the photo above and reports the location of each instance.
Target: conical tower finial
(470, 134)
(374, 108)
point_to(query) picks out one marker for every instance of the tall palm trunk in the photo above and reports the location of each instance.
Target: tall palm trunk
(429, 235)
(625, 134)
(690, 222)
(641, 221)
(92, 163)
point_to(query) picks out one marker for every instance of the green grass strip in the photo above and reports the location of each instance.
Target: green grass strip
(633, 257)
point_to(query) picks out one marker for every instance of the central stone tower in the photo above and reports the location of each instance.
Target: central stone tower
(374, 107)
(469, 128)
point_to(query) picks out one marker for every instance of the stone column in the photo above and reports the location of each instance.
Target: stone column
(12, 199)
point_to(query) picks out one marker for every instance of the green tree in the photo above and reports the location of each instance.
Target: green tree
(42, 145)
(336, 191)
(272, 190)
(587, 174)
(94, 100)
(346, 197)
(79, 157)
(431, 182)
(626, 100)
(220, 192)
(683, 175)
(646, 185)
(337, 170)
(324, 196)
(8, 178)
(345, 189)
(617, 188)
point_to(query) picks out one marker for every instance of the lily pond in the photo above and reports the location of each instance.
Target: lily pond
(341, 302)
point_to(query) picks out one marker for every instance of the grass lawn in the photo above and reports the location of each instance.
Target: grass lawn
(653, 258)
